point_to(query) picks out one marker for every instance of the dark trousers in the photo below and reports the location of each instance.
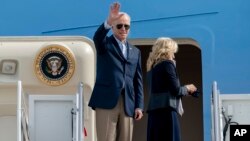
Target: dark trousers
(163, 125)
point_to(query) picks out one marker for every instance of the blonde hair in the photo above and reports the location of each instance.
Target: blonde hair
(163, 49)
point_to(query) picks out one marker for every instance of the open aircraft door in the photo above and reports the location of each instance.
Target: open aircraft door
(41, 78)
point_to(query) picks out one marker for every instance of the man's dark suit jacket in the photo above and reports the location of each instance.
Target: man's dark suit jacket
(164, 86)
(114, 73)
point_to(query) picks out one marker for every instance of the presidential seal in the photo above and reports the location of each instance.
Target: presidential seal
(54, 65)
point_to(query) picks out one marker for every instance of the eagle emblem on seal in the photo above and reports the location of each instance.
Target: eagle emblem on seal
(55, 65)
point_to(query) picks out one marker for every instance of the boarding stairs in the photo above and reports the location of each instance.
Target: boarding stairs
(226, 110)
(44, 117)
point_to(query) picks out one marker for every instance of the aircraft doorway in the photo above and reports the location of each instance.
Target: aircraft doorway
(189, 68)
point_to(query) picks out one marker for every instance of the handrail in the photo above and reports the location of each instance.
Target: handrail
(25, 111)
(19, 110)
(77, 117)
(79, 114)
(216, 112)
(81, 111)
(21, 115)
(24, 127)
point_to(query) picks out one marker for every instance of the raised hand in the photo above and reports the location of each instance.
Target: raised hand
(114, 13)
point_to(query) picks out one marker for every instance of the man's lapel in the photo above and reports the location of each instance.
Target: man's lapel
(117, 47)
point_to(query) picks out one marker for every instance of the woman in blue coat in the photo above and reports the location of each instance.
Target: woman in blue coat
(165, 92)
